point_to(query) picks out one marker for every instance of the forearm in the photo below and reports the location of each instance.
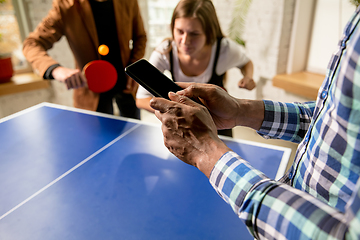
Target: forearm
(36, 45)
(248, 70)
(256, 199)
(250, 113)
(295, 209)
(287, 121)
(144, 103)
(36, 54)
(211, 153)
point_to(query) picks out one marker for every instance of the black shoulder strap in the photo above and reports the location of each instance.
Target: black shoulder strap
(171, 63)
(218, 45)
(215, 79)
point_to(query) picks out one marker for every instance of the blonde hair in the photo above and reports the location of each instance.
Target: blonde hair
(204, 11)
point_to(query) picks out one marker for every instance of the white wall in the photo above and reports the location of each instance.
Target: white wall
(267, 35)
(331, 17)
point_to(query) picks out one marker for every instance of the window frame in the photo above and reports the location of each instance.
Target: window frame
(24, 24)
(303, 38)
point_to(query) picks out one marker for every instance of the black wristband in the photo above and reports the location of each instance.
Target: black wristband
(48, 73)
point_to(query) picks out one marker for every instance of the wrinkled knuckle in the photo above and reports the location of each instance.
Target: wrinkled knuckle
(192, 87)
(182, 99)
(167, 145)
(212, 91)
(167, 124)
(177, 111)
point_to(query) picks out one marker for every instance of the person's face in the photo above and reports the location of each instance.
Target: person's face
(189, 36)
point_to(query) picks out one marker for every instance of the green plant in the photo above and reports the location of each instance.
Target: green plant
(355, 2)
(238, 21)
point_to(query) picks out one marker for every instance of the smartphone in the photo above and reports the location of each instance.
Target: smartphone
(148, 76)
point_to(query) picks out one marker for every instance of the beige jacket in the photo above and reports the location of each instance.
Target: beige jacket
(74, 19)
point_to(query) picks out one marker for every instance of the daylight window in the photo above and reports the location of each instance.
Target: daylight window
(12, 33)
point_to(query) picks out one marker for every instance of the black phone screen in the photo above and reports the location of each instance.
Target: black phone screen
(148, 76)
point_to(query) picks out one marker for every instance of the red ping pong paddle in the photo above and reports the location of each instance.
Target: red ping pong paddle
(101, 75)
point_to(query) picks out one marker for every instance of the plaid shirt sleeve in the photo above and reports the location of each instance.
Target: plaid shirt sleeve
(323, 200)
(287, 121)
(272, 210)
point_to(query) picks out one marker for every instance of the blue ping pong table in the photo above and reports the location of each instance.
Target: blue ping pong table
(72, 174)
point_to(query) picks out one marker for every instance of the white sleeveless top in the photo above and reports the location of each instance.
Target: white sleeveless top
(231, 55)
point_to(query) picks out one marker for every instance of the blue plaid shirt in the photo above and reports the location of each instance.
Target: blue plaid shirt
(319, 197)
